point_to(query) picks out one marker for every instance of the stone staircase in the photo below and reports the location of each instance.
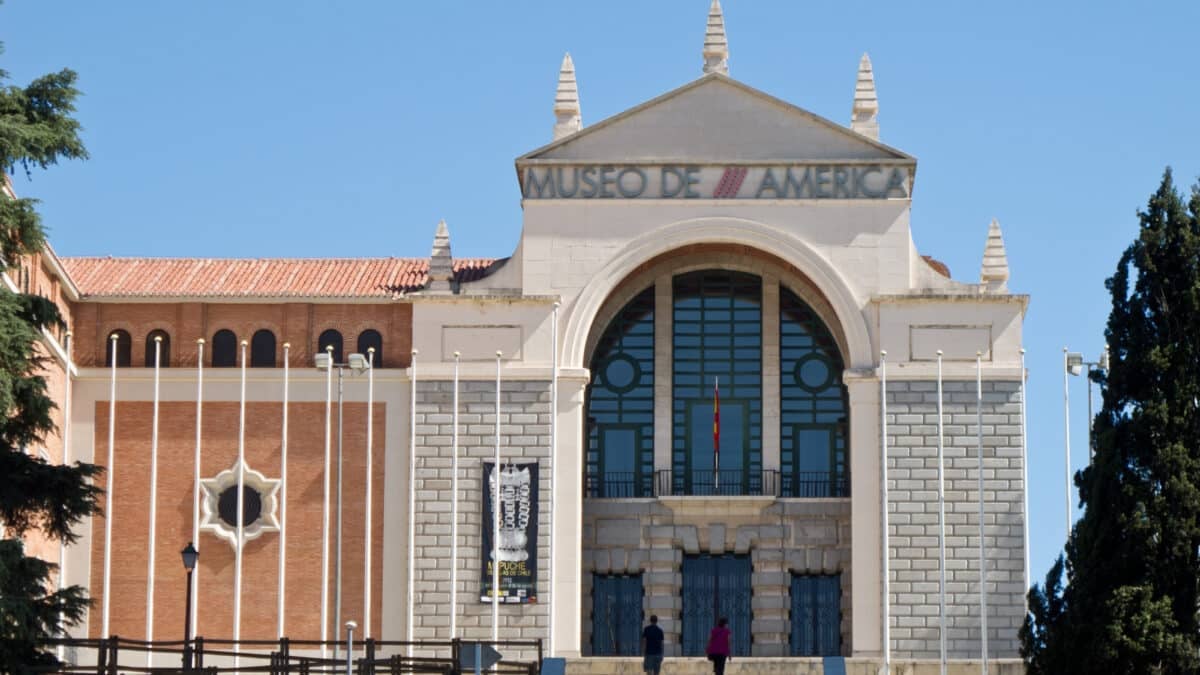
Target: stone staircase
(680, 665)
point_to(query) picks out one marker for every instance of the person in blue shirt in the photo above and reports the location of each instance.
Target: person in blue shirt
(652, 647)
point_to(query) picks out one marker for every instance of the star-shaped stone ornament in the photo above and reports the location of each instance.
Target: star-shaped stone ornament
(218, 504)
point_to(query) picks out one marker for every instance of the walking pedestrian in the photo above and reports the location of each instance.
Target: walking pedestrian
(718, 646)
(652, 647)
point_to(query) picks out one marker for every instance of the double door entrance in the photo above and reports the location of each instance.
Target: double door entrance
(715, 587)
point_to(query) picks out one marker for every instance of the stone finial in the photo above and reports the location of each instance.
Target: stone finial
(994, 274)
(441, 264)
(567, 116)
(716, 46)
(865, 115)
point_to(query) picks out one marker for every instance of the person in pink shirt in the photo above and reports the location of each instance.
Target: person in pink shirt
(718, 646)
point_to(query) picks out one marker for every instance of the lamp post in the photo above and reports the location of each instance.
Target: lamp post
(1076, 365)
(350, 626)
(190, 556)
(358, 364)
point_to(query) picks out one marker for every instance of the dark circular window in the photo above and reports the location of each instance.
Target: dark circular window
(813, 372)
(251, 505)
(621, 373)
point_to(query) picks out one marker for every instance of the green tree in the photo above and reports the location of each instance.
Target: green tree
(36, 130)
(1133, 559)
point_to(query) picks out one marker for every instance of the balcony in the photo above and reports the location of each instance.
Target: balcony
(723, 483)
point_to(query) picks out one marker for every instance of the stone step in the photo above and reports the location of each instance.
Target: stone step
(684, 665)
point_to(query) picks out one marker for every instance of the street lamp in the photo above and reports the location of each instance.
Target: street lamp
(190, 556)
(358, 364)
(350, 626)
(1076, 365)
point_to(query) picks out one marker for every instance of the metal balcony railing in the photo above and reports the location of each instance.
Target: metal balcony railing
(722, 483)
(619, 485)
(815, 484)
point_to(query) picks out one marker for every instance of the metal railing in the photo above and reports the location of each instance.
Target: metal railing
(619, 485)
(116, 655)
(815, 484)
(722, 483)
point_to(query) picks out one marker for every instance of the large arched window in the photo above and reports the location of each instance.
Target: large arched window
(331, 338)
(262, 349)
(164, 355)
(124, 347)
(224, 349)
(620, 405)
(371, 338)
(717, 344)
(813, 404)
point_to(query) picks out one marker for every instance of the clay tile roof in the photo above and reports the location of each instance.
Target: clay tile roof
(258, 278)
(937, 265)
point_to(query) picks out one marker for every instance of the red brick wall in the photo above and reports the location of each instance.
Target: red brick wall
(216, 568)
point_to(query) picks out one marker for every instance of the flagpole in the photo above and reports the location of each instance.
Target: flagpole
(412, 497)
(283, 475)
(241, 525)
(553, 468)
(1025, 484)
(153, 503)
(196, 479)
(325, 506)
(496, 515)
(883, 507)
(941, 519)
(1067, 438)
(108, 492)
(716, 434)
(370, 476)
(454, 508)
(66, 460)
(982, 555)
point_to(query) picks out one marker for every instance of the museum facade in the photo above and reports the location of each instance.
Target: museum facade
(681, 367)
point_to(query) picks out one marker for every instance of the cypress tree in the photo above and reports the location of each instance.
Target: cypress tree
(1129, 603)
(36, 130)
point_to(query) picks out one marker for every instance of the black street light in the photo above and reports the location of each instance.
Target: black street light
(190, 556)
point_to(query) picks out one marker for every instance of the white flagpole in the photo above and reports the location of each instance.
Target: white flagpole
(1025, 484)
(283, 475)
(553, 469)
(982, 555)
(325, 507)
(241, 494)
(370, 476)
(883, 506)
(941, 519)
(108, 492)
(196, 478)
(153, 502)
(454, 508)
(66, 460)
(412, 496)
(1067, 440)
(496, 515)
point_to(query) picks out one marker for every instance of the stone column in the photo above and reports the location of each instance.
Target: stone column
(770, 373)
(866, 563)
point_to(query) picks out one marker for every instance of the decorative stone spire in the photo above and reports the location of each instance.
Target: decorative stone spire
(716, 47)
(567, 115)
(865, 116)
(994, 274)
(441, 264)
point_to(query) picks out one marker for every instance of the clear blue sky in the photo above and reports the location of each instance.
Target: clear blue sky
(312, 129)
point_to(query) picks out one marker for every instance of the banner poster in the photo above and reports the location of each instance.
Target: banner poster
(517, 553)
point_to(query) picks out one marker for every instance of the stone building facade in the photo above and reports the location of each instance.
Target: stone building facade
(688, 343)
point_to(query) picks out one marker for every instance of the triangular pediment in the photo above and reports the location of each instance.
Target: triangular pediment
(716, 118)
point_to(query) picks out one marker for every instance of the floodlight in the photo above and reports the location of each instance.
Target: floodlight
(1075, 363)
(358, 362)
(322, 360)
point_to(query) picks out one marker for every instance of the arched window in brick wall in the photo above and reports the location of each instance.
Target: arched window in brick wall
(124, 347)
(331, 338)
(165, 355)
(262, 349)
(224, 349)
(371, 338)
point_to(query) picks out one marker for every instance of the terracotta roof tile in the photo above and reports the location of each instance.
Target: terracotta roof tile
(258, 278)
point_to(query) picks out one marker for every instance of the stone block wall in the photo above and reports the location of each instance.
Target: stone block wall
(913, 518)
(525, 437)
(651, 537)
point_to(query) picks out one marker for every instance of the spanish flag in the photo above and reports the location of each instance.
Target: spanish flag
(716, 424)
